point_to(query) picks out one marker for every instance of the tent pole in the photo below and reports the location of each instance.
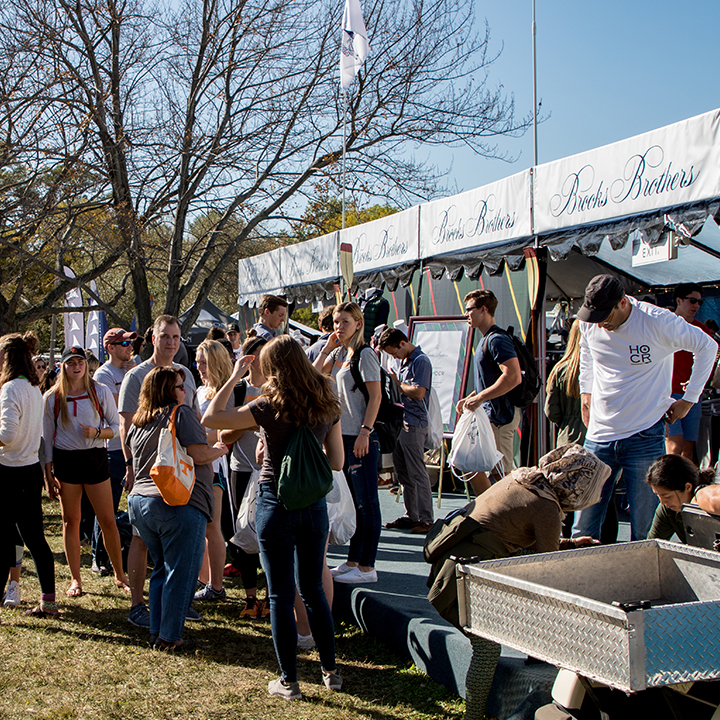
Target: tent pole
(541, 334)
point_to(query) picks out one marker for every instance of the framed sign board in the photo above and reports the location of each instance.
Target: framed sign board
(447, 341)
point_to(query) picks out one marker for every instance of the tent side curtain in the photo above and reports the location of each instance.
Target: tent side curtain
(685, 221)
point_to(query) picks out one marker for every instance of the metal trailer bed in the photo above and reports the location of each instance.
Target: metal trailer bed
(631, 616)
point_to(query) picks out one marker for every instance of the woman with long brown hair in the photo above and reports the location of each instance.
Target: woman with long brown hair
(21, 475)
(76, 459)
(175, 536)
(294, 394)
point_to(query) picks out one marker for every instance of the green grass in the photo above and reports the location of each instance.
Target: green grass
(91, 664)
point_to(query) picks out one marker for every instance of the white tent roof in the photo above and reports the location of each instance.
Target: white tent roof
(634, 188)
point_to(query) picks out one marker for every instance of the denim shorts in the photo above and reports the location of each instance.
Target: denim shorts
(689, 426)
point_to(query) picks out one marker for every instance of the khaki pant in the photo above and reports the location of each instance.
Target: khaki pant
(504, 439)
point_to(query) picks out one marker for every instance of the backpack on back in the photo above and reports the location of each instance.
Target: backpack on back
(389, 420)
(523, 394)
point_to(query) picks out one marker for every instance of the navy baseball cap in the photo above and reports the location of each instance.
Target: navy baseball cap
(602, 294)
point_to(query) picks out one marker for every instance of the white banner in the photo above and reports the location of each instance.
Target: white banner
(93, 341)
(676, 165)
(74, 322)
(312, 261)
(386, 242)
(257, 276)
(489, 214)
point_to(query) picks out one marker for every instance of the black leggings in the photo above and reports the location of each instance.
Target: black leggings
(21, 505)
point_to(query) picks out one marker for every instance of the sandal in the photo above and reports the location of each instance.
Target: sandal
(74, 591)
(46, 610)
(122, 585)
(185, 645)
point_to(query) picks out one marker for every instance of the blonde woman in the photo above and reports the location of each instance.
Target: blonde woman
(79, 416)
(215, 367)
(362, 448)
(562, 403)
(243, 463)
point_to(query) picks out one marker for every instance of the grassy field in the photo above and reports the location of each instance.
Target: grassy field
(91, 664)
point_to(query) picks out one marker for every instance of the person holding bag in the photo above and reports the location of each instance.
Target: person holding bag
(362, 447)
(294, 395)
(174, 534)
(79, 416)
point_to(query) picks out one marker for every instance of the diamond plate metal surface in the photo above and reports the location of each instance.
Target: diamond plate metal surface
(568, 636)
(676, 640)
(671, 656)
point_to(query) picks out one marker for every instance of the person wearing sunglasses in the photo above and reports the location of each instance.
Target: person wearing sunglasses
(118, 344)
(683, 434)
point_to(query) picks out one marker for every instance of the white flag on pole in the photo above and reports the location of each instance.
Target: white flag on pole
(355, 46)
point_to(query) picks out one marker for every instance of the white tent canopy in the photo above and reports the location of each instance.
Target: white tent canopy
(666, 178)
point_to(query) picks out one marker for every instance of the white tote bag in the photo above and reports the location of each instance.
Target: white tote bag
(434, 438)
(341, 510)
(473, 447)
(245, 536)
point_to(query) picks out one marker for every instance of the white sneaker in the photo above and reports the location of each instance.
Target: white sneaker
(341, 569)
(12, 594)
(306, 642)
(356, 576)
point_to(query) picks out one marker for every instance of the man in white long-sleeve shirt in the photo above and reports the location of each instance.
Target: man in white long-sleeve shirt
(626, 362)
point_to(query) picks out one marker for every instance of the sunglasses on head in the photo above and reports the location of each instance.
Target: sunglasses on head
(124, 343)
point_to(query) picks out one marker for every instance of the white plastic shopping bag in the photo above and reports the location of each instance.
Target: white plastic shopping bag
(245, 536)
(341, 510)
(434, 438)
(473, 446)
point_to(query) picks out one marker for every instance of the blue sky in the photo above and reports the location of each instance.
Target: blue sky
(605, 71)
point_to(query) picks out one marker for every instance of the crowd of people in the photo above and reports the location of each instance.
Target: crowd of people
(88, 433)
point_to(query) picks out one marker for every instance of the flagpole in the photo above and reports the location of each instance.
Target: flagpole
(343, 155)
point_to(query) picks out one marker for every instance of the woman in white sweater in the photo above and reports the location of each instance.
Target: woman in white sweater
(21, 476)
(79, 416)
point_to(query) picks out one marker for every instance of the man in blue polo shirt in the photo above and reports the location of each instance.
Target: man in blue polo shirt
(414, 382)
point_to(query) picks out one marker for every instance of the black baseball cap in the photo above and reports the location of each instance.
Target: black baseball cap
(233, 327)
(72, 351)
(602, 294)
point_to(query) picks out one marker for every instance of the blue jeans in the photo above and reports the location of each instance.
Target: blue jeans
(116, 461)
(362, 477)
(175, 537)
(292, 547)
(632, 455)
